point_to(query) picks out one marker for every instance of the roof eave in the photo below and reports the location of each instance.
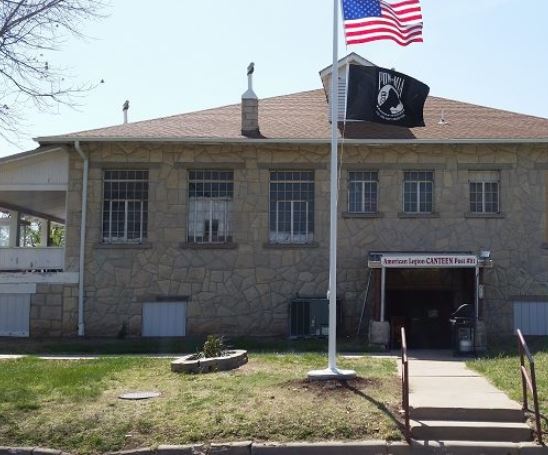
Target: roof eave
(31, 153)
(216, 140)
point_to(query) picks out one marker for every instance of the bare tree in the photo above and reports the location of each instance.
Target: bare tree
(29, 31)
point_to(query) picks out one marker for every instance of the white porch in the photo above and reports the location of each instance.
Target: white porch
(33, 189)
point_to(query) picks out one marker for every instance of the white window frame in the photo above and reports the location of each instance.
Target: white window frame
(211, 200)
(274, 237)
(110, 238)
(417, 183)
(362, 185)
(483, 210)
(292, 236)
(124, 239)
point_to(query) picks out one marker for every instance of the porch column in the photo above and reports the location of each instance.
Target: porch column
(14, 228)
(44, 231)
(476, 293)
(383, 292)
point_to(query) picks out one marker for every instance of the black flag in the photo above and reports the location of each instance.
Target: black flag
(385, 96)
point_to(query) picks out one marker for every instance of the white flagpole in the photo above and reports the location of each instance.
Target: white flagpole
(332, 372)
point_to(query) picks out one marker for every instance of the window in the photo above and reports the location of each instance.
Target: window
(362, 192)
(418, 191)
(125, 205)
(210, 206)
(484, 192)
(291, 207)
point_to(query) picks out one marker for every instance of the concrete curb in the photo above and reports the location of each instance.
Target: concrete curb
(320, 448)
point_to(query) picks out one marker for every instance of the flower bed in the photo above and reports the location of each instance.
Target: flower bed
(196, 364)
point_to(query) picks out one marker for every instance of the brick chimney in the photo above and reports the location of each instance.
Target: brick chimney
(250, 107)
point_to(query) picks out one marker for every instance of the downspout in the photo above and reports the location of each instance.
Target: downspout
(82, 238)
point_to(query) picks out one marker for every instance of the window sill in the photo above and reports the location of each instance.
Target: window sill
(124, 246)
(418, 215)
(290, 246)
(484, 215)
(208, 246)
(362, 215)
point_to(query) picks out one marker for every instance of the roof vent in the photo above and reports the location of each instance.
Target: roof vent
(250, 107)
(442, 118)
(125, 108)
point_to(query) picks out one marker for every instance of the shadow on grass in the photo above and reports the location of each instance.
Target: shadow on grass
(391, 414)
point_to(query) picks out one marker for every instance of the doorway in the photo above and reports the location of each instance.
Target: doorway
(422, 301)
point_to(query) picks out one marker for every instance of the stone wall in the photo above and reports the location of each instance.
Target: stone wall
(54, 310)
(245, 289)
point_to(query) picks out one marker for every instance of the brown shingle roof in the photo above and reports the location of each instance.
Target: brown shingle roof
(303, 116)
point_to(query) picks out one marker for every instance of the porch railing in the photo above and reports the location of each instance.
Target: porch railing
(529, 381)
(405, 384)
(22, 259)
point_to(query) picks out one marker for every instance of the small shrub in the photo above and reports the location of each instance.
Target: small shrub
(213, 347)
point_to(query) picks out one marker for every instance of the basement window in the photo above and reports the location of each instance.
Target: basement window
(125, 205)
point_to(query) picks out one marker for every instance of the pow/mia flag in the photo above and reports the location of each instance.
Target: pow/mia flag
(385, 96)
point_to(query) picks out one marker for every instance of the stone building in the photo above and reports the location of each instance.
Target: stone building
(218, 222)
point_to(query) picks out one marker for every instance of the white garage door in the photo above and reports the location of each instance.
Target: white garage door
(531, 317)
(164, 319)
(14, 315)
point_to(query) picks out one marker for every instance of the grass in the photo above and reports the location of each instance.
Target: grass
(109, 346)
(73, 405)
(501, 367)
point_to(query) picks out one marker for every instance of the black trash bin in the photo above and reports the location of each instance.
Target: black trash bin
(463, 331)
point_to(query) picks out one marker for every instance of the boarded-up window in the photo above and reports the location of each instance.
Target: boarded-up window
(531, 317)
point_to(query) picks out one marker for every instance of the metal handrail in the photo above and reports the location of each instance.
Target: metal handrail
(405, 383)
(529, 382)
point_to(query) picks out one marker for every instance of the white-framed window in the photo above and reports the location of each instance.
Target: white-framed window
(418, 191)
(125, 205)
(362, 191)
(210, 206)
(291, 207)
(484, 192)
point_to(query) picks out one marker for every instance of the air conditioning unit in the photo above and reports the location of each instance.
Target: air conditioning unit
(310, 317)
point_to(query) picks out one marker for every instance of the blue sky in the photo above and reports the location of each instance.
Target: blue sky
(174, 56)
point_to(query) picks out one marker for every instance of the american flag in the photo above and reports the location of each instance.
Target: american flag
(372, 20)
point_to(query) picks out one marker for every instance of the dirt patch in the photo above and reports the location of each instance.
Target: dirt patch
(330, 387)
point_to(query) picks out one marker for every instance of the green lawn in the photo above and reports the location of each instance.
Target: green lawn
(501, 367)
(73, 405)
(108, 346)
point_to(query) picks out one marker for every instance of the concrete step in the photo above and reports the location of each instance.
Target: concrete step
(453, 430)
(467, 413)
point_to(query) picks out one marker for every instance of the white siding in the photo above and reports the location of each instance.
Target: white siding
(164, 319)
(52, 258)
(41, 171)
(341, 93)
(14, 315)
(531, 317)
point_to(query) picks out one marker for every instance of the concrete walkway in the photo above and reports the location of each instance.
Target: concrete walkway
(448, 382)
(450, 401)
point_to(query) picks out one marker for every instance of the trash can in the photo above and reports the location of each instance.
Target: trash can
(463, 331)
